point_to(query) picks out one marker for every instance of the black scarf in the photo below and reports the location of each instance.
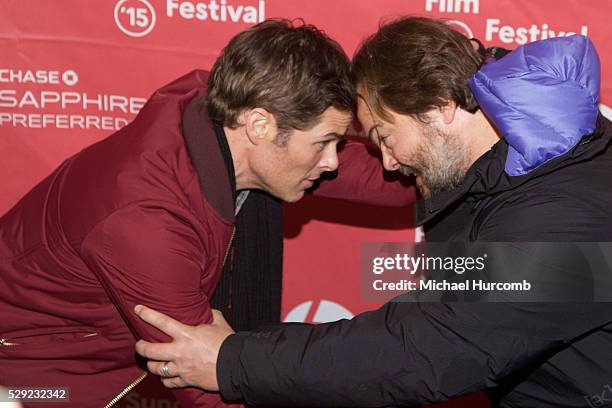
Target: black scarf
(249, 290)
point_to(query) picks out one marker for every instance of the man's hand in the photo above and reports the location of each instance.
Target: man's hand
(191, 357)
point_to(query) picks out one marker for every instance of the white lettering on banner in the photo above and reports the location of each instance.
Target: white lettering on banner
(99, 111)
(61, 121)
(214, 10)
(326, 311)
(135, 18)
(10, 76)
(39, 77)
(454, 6)
(10, 98)
(522, 35)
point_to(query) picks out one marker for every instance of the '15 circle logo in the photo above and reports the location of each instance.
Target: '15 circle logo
(135, 18)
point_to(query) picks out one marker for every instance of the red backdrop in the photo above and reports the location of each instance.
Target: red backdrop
(74, 71)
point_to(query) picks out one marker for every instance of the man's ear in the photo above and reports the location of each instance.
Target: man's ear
(447, 112)
(260, 125)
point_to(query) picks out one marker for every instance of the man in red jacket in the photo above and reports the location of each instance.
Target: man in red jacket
(149, 214)
(513, 160)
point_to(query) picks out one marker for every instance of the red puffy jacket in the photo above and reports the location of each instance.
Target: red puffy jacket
(125, 222)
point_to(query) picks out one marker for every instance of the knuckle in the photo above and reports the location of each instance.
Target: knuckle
(154, 369)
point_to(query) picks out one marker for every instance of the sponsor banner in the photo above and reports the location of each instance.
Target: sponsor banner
(73, 74)
(70, 78)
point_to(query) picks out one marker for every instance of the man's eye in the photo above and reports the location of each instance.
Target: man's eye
(383, 139)
(321, 145)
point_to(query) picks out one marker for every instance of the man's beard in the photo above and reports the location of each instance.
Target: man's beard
(440, 162)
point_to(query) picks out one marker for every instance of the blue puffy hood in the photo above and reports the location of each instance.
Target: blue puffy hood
(542, 97)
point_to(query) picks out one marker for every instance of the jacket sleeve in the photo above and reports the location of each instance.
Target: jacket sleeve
(361, 178)
(152, 256)
(410, 353)
(402, 354)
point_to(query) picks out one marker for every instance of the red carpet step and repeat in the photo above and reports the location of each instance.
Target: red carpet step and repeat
(74, 71)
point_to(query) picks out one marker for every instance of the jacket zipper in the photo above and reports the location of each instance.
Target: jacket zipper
(227, 253)
(126, 390)
(6, 342)
(229, 245)
(144, 375)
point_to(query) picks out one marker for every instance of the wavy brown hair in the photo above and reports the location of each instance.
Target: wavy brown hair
(294, 71)
(414, 64)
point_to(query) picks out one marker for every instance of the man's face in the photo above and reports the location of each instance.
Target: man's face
(437, 159)
(287, 170)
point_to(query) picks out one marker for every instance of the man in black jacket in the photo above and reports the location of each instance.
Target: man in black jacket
(510, 151)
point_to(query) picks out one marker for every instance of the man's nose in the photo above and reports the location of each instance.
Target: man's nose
(329, 161)
(389, 162)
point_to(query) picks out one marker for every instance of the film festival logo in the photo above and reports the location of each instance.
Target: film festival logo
(137, 18)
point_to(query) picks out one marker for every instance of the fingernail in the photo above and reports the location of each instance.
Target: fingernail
(137, 308)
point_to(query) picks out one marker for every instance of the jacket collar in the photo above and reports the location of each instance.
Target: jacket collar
(543, 97)
(487, 177)
(211, 157)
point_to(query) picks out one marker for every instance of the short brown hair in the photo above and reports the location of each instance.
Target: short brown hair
(414, 64)
(293, 71)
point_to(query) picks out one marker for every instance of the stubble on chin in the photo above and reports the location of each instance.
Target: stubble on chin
(440, 163)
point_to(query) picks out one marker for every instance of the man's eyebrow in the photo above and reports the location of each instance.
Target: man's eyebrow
(336, 135)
